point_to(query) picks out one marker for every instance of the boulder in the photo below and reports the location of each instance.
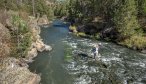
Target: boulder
(40, 46)
(12, 73)
(32, 53)
(43, 20)
(48, 48)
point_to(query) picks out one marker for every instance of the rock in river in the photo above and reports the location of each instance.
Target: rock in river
(48, 48)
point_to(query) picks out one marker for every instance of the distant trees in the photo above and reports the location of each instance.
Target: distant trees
(122, 15)
(30, 6)
(125, 19)
(141, 6)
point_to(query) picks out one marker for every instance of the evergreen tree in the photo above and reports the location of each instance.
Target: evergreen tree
(125, 19)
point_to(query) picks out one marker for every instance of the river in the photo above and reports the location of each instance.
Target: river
(116, 65)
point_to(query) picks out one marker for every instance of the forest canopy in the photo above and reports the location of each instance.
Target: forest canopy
(125, 19)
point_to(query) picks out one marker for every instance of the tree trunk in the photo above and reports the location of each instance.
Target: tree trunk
(33, 8)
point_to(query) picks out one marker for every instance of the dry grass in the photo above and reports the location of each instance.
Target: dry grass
(24, 15)
(138, 42)
(3, 17)
(4, 41)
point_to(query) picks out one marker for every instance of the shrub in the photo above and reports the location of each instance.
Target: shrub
(21, 37)
(125, 19)
(73, 29)
(81, 34)
(138, 42)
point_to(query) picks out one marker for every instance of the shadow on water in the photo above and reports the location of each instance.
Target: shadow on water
(49, 65)
(117, 65)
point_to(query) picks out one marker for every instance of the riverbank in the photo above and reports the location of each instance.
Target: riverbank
(66, 65)
(14, 68)
(97, 31)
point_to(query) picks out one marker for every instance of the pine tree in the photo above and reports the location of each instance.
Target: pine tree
(125, 19)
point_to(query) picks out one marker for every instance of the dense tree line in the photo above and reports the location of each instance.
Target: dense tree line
(29, 6)
(15, 15)
(125, 17)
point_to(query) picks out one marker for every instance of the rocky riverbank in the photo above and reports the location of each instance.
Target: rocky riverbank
(15, 70)
(37, 44)
(108, 34)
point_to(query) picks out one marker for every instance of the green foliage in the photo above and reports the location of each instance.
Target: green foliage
(87, 10)
(21, 37)
(125, 19)
(141, 6)
(61, 9)
(123, 15)
(144, 7)
(138, 42)
(21, 24)
(40, 6)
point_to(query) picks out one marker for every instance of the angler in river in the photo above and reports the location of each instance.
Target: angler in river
(92, 54)
(95, 51)
(117, 65)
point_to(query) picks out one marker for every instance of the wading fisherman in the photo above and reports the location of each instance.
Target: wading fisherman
(95, 51)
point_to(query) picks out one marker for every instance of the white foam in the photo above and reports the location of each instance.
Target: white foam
(111, 59)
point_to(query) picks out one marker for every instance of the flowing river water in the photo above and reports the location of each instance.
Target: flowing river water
(116, 65)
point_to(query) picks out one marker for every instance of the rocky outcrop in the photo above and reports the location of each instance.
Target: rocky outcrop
(37, 44)
(40, 46)
(43, 20)
(4, 41)
(12, 72)
(15, 71)
(48, 48)
(87, 29)
(31, 54)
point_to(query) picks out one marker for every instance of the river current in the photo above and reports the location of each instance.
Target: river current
(63, 65)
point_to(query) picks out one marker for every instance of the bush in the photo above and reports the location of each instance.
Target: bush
(73, 29)
(138, 42)
(21, 37)
(81, 34)
(125, 19)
